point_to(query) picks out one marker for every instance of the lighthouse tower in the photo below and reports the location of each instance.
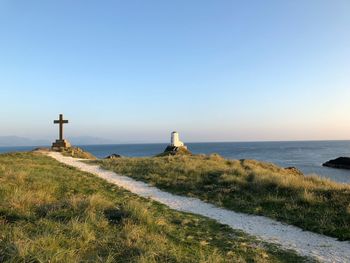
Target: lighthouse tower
(176, 146)
(175, 141)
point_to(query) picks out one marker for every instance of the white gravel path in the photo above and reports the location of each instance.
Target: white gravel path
(320, 247)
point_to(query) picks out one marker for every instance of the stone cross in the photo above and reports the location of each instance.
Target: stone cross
(60, 121)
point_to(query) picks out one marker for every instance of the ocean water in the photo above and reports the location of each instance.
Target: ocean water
(307, 156)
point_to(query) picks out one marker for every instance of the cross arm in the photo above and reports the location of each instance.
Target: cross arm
(58, 121)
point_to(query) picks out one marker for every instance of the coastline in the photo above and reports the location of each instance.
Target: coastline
(306, 156)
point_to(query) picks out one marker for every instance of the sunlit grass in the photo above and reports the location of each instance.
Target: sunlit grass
(50, 212)
(311, 203)
(77, 152)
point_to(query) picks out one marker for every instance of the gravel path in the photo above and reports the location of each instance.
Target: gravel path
(320, 247)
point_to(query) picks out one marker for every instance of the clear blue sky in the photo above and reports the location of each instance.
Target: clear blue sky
(213, 70)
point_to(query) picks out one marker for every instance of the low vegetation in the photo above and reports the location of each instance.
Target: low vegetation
(50, 212)
(75, 152)
(248, 186)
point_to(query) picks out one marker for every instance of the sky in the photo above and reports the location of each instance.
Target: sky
(133, 71)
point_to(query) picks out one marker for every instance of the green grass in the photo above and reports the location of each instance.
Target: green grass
(248, 186)
(50, 212)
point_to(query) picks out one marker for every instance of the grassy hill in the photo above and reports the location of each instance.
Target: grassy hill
(50, 212)
(248, 186)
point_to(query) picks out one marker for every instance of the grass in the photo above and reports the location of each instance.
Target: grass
(248, 186)
(50, 212)
(77, 152)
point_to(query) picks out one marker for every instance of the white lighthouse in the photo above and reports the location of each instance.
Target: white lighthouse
(176, 146)
(175, 141)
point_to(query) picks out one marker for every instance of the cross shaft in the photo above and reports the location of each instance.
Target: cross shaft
(60, 121)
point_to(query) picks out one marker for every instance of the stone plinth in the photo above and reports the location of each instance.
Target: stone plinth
(58, 144)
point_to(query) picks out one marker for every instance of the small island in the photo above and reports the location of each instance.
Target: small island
(340, 163)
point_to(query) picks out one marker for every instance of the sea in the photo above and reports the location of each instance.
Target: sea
(307, 156)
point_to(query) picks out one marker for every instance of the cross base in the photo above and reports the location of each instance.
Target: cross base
(59, 144)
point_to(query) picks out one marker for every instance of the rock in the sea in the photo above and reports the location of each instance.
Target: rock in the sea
(113, 156)
(341, 163)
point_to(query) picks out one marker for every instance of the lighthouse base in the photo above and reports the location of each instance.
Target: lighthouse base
(173, 150)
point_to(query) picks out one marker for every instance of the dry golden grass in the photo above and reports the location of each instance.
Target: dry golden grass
(52, 213)
(77, 152)
(250, 186)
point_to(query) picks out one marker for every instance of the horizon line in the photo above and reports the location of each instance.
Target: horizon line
(189, 142)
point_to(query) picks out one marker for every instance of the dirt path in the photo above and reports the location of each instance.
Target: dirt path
(322, 248)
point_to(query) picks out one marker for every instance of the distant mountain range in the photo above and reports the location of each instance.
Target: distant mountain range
(86, 140)
(21, 141)
(8, 141)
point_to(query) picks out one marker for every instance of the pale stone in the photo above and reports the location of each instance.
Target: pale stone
(175, 141)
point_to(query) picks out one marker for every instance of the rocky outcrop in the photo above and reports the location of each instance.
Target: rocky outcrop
(294, 170)
(113, 156)
(340, 163)
(76, 152)
(173, 150)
